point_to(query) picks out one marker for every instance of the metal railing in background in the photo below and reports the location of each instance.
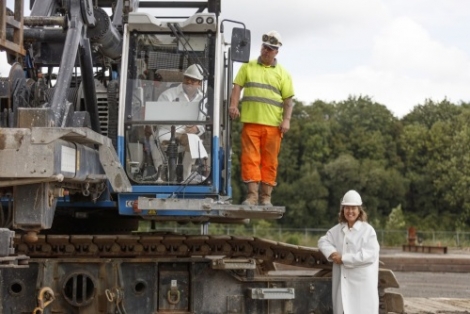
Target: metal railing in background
(310, 236)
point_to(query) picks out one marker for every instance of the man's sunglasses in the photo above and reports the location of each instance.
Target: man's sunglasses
(270, 39)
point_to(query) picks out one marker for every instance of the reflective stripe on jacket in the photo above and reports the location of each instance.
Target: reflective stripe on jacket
(264, 89)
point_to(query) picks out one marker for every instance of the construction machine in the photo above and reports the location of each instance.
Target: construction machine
(92, 145)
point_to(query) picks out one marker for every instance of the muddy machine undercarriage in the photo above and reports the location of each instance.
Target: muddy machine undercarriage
(91, 145)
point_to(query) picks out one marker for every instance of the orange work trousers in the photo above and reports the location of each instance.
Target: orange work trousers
(260, 146)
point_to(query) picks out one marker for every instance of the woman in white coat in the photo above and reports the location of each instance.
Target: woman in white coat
(353, 248)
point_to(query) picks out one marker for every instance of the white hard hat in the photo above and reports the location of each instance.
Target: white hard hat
(272, 39)
(351, 198)
(194, 71)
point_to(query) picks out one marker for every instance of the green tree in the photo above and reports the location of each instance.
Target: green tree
(419, 164)
(431, 112)
(365, 130)
(434, 146)
(396, 219)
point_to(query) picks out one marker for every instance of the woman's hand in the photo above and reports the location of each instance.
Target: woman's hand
(336, 257)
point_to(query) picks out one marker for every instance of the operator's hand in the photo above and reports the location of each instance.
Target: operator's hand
(233, 112)
(285, 125)
(336, 257)
(191, 129)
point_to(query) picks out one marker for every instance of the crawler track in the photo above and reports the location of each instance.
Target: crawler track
(144, 246)
(131, 246)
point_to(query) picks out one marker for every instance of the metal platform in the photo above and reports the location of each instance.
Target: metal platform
(203, 210)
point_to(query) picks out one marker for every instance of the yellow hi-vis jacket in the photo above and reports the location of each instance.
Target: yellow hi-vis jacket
(264, 89)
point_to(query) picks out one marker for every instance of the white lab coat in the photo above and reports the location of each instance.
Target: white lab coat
(355, 281)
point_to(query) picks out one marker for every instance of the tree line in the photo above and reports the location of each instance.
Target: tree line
(413, 171)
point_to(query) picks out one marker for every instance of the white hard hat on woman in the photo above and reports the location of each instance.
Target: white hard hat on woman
(351, 198)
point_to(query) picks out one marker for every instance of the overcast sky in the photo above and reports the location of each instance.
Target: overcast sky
(398, 52)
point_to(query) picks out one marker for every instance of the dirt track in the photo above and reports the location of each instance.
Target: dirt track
(441, 306)
(427, 293)
(434, 292)
(431, 292)
(433, 285)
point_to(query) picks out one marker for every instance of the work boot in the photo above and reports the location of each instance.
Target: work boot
(252, 194)
(265, 195)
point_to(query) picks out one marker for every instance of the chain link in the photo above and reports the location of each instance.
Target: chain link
(45, 297)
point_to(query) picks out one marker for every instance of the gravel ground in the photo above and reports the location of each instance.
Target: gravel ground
(434, 292)
(437, 306)
(433, 285)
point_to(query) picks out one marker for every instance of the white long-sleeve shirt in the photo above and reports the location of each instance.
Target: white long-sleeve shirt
(177, 94)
